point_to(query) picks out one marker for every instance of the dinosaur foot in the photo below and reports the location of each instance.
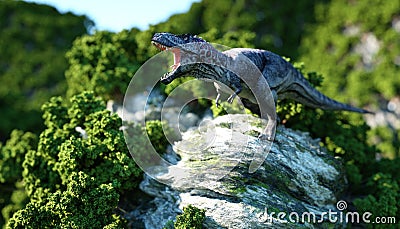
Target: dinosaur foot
(231, 98)
(266, 137)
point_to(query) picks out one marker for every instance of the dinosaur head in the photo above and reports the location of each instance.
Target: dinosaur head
(165, 41)
(188, 50)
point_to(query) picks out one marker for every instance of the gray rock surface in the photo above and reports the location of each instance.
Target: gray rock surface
(298, 177)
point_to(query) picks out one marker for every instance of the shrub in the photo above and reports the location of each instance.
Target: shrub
(157, 132)
(383, 200)
(192, 218)
(80, 168)
(12, 154)
(84, 204)
(101, 63)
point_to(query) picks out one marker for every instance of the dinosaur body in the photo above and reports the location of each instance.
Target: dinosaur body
(195, 57)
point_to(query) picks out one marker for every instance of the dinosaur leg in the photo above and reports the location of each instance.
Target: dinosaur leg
(218, 89)
(267, 107)
(265, 135)
(217, 99)
(232, 97)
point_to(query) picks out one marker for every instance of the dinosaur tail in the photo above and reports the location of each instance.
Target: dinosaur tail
(301, 91)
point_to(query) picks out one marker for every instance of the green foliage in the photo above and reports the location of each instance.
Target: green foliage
(192, 218)
(12, 154)
(101, 63)
(228, 108)
(157, 130)
(169, 225)
(136, 139)
(383, 200)
(387, 140)
(105, 62)
(80, 168)
(188, 88)
(33, 40)
(230, 39)
(84, 204)
(333, 47)
(12, 199)
(220, 110)
(278, 25)
(355, 46)
(190, 21)
(75, 176)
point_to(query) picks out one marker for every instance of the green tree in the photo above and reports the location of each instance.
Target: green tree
(33, 41)
(105, 62)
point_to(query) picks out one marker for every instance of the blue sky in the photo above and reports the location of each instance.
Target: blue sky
(117, 15)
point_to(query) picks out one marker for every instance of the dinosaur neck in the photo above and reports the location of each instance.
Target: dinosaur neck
(208, 54)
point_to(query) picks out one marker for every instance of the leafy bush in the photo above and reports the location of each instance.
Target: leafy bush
(80, 168)
(102, 63)
(12, 154)
(192, 218)
(84, 204)
(229, 108)
(157, 132)
(383, 200)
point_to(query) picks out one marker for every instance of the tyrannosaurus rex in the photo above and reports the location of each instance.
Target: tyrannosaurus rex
(243, 70)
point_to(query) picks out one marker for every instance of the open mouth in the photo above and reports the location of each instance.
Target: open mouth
(177, 57)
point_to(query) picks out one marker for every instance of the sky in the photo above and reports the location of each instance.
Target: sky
(117, 15)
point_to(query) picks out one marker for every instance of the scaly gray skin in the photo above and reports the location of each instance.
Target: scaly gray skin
(201, 60)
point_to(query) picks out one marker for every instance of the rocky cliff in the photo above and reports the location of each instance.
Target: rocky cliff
(298, 184)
